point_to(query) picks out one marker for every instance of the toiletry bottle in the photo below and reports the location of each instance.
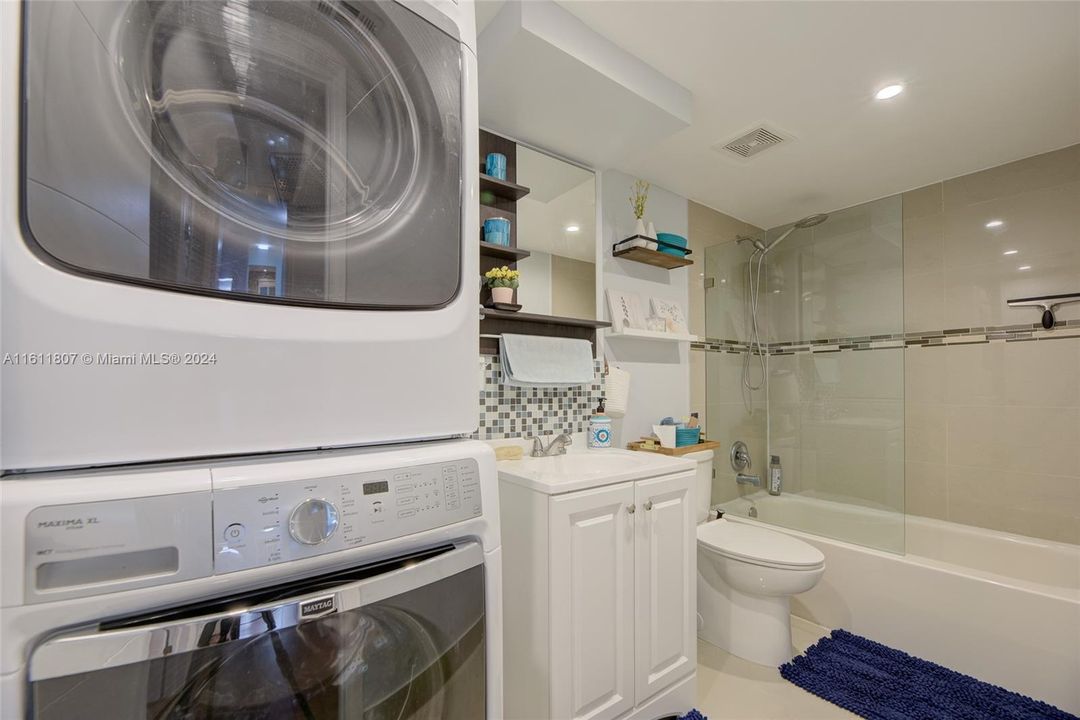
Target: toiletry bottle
(600, 429)
(776, 475)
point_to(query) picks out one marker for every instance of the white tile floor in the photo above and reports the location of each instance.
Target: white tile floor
(730, 688)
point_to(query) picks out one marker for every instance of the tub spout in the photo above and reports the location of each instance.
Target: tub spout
(744, 479)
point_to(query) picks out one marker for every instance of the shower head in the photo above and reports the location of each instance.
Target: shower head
(812, 220)
(807, 222)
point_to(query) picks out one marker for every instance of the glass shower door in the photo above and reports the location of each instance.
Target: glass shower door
(831, 405)
(834, 305)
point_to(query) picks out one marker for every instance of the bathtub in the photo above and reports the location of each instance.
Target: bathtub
(1003, 608)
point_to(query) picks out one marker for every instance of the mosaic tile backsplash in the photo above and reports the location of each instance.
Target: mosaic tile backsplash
(508, 412)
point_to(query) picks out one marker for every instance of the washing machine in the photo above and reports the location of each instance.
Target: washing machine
(346, 583)
(235, 226)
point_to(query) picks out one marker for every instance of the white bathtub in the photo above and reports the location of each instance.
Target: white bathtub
(1003, 608)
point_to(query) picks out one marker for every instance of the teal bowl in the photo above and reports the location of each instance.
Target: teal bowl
(672, 239)
(687, 436)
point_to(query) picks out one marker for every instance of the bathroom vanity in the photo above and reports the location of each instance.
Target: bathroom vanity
(599, 586)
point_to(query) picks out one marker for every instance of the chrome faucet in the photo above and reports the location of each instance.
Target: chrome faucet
(556, 447)
(740, 460)
(744, 479)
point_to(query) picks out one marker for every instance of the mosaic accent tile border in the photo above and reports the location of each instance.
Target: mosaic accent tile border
(508, 412)
(1064, 330)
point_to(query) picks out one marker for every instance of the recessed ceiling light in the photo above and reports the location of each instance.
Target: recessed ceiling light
(572, 228)
(995, 224)
(1024, 267)
(889, 91)
(1010, 252)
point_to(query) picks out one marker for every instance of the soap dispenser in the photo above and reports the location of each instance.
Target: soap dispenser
(600, 429)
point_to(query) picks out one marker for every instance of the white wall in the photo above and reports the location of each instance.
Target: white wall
(660, 374)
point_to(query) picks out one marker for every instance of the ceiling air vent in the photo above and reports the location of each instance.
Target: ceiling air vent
(756, 141)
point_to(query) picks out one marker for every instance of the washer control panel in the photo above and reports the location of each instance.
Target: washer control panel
(271, 523)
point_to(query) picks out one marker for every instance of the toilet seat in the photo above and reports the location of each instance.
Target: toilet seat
(758, 546)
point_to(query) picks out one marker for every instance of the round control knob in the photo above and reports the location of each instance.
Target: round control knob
(313, 521)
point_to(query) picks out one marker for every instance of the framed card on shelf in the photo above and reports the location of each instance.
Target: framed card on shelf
(672, 313)
(626, 310)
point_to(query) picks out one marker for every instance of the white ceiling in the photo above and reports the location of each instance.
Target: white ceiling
(987, 83)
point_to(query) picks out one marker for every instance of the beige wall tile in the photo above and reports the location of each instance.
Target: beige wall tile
(721, 310)
(1046, 506)
(924, 433)
(1038, 201)
(724, 376)
(924, 244)
(924, 302)
(709, 228)
(1053, 168)
(923, 201)
(925, 491)
(1023, 439)
(925, 375)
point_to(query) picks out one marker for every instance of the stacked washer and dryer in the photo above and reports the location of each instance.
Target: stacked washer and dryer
(236, 315)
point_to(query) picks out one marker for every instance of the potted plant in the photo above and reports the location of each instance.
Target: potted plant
(502, 282)
(638, 198)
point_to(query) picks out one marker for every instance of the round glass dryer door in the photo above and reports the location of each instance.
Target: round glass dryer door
(305, 152)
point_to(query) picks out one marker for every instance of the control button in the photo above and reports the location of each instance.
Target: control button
(234, 533)
(407, 500)
(406, 513)
(313, 521)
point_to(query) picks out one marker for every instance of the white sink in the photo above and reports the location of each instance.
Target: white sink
(590, 468)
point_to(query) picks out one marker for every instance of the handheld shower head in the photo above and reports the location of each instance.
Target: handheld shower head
(812, 220)
(807, 222)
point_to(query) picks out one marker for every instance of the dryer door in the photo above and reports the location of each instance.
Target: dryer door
(404, 640)
(298, 152)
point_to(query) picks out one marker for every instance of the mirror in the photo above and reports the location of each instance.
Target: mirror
(556, 223)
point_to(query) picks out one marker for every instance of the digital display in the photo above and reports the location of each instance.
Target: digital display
(374, 488)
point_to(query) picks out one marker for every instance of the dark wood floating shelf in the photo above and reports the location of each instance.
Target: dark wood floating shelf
(504, 252)
(548, 319)
(502, 189)
(652, 257)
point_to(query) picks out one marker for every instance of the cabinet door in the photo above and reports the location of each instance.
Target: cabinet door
(665, 577)
(592, 603)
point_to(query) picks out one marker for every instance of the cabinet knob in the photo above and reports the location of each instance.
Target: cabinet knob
(631, 508)
(648, 504)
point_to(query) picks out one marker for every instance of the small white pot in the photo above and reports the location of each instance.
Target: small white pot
(503, 295)
(650, 231)
(639, 228)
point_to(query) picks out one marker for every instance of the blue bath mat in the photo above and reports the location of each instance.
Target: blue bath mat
(881, 683)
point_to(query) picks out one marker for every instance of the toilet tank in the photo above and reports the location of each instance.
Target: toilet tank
(703, 483)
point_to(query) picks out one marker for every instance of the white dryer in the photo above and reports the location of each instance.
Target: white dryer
(315, 586)
(234, 227)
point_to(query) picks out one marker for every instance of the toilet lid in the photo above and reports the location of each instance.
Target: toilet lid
(758, 545)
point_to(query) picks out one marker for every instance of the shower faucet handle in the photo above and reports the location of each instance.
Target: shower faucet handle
(740, 456)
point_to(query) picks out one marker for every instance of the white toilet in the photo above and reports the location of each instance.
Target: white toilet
(746, 577)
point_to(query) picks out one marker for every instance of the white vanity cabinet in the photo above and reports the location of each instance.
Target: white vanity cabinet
(599, 598)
